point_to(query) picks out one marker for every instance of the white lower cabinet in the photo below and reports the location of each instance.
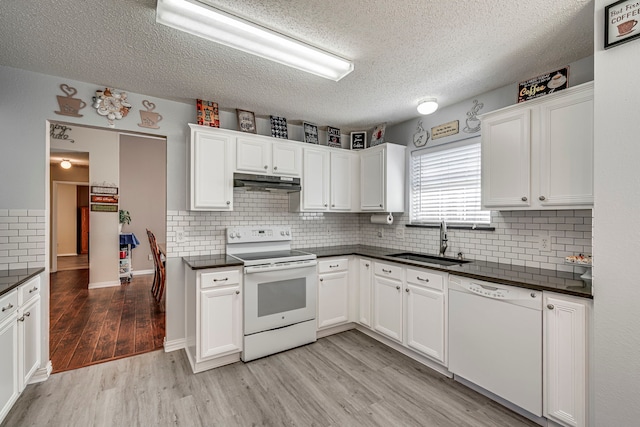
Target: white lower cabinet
(565, 325)
(426, 308)
(387, 300)
(9, 355)
(365, 270)
(333, 292)
(28, 340)
(213, 317)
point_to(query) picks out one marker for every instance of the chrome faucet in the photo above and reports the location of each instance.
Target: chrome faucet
(443, 237)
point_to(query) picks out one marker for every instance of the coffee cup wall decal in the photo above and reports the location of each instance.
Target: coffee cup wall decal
(149, 118)
(69, 106)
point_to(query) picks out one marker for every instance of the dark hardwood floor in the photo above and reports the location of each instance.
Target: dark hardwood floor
(97, 325)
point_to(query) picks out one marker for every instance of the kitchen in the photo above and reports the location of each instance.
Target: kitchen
(616, 201)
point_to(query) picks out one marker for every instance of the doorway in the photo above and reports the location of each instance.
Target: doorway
(93, 316)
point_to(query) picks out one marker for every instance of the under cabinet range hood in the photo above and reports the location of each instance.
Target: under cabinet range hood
(266, 182)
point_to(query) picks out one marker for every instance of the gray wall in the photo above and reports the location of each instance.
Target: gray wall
(143, 192)
(616, 240)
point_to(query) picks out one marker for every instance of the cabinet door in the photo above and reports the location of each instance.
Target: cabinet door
(425, 321)
(220, 322)
(387, 307)
(506, 155)
(333, 299)
(565, 361)
(29, 341)
(211, 171)
(253, 155)
(315, 186)
(8, 365)
(372, 177)
(341, 197)
(365, 276)
(566, 151)
(287, 159)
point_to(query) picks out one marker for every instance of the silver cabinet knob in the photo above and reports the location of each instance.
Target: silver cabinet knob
(275, 168)
(21, 319)
(9, 307)
(542, 198)
(533, 294)
(407, 290)
(524, 198)
(325, 205)
(366, 265)
(333, 206)
(398, 287)
(33, 290)
(550, 306)
(321, 279)
(237, 292)
(228, 202)
(266, 167)
(380, 204)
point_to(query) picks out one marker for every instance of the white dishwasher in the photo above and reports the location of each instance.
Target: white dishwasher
(495, 339)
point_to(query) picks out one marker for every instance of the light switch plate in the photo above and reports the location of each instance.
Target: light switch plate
(400, 232)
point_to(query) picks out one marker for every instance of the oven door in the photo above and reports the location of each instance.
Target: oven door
(279, 296)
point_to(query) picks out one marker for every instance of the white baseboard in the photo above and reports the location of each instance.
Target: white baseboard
(174, 345)
(335, 330)
(74, 254)
(42, 374)
(142, 272)
(103, 285)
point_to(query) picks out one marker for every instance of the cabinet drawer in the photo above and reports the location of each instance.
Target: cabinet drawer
(330, 266)
(29, 290)
(219, 278)
(8, 305)
(388, 270)
(425, 278)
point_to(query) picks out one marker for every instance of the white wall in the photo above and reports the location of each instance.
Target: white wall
(616, 239)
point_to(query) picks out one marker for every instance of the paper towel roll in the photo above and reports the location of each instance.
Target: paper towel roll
(382, 219)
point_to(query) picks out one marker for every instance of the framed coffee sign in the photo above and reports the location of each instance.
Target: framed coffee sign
(621, 22)
(358, 140)
(543, 84)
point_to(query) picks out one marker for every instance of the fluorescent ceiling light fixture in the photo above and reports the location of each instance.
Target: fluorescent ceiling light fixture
(428, 106)
(65, 164)
(205, 21)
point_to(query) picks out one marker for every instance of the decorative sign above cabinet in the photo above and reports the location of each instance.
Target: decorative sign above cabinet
(543, 84)
(446, 129)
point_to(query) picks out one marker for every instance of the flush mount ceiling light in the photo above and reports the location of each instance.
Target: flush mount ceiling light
(205, 21)
(65, 164)
(428, 106)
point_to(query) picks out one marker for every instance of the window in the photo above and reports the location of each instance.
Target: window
(445, 185)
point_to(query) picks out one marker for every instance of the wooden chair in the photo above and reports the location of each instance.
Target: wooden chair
(159, 278)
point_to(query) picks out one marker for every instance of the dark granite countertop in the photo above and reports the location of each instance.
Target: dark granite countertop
(11, 279)
(514, 275)
(200, 262)
(523, 277)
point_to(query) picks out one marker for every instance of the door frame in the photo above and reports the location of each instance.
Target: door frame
(54, 219)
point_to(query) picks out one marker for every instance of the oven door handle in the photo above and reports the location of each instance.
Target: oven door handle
(279, 267)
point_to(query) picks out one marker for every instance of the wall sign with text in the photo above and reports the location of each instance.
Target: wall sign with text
(621, 22)
(543, 84)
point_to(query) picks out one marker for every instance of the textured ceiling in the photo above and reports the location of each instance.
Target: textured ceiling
(403, 51)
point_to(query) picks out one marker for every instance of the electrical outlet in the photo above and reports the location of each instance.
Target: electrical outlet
(380, 233)
(400, 232)
(544, 243)
(150, 257)
(328, 231)
(179, 236)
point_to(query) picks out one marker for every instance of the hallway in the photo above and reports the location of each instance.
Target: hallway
(98, 325)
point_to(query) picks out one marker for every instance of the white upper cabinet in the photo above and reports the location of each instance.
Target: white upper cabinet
(212, 155)
(330, 181)
(506, 159)
(263, 155)
(539, 154)
(382, 178)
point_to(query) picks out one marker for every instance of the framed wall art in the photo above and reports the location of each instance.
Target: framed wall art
(246, 121)
(333, 137)
(310, 133)
(377, 137)
(621, 22)
(358, 140)
(279, 127)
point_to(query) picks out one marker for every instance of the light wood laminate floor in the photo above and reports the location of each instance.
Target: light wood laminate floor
(347, 379)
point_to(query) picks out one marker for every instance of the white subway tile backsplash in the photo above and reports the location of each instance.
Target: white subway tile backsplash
(21, 238)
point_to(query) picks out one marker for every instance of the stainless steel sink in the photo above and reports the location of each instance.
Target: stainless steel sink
(430, 258)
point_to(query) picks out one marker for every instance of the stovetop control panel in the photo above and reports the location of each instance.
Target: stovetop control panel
(258, 233)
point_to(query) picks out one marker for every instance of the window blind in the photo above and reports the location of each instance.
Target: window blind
(445, 185)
